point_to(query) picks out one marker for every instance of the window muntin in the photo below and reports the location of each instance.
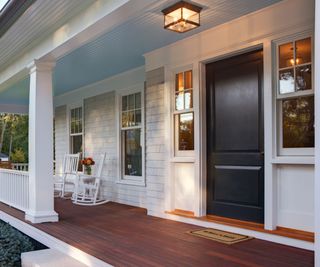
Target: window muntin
(183, 113)
(131, 137)
(131, 110)
(184, 91)
(295, 97)
(294, 65)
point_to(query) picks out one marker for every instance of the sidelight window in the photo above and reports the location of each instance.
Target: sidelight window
(183, 113)
(295, 98)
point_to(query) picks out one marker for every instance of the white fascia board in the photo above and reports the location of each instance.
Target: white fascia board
(101, 17)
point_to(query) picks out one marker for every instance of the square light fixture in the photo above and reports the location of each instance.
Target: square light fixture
(182, 17)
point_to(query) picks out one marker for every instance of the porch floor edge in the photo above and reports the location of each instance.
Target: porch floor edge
(266, 235)
(52, 242)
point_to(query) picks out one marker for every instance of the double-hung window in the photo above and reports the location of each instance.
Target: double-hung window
(295, 97)
(132, 138)
(76, 130)
(184, 114)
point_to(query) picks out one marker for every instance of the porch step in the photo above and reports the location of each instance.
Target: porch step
(48, 258)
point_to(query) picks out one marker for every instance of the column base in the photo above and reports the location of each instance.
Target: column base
(41, 216)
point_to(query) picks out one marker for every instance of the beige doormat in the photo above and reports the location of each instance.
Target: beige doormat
(220, 236)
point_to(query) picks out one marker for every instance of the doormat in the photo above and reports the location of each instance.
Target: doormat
(220, 236)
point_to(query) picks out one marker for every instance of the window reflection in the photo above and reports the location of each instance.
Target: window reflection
(132, 152)
(183, 94)
(286, 81)
(131, 110)
(295, 66)
(303, 78)
(186, 128)
(285, 55)
(298, 122)
(303, 51)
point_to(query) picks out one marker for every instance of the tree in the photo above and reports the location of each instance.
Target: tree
(14, 134)
(4, 119)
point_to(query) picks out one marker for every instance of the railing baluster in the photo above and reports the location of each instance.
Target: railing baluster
(14, 189)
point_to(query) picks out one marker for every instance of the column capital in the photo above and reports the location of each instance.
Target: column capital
(41, 66)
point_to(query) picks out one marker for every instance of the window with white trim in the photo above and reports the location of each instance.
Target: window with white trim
(295, 97)
(76, 130)
(183, 114)
(132, 137)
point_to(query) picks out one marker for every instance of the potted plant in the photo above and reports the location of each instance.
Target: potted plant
(88, 163)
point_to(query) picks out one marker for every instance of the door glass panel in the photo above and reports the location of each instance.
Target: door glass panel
(303, 51)
(286, 55)
(303, 78)
(286, 81)
(132, 152)
(298, 122)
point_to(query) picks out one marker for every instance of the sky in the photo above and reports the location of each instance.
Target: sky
(3, 3)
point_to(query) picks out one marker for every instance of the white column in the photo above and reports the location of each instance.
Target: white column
(317, 133)
(41, 195)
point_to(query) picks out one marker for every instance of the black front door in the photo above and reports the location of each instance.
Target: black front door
(235, 167)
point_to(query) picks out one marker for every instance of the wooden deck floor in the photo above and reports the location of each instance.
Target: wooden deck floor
(122, 235)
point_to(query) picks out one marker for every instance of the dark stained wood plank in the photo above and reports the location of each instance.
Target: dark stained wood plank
(126, 236)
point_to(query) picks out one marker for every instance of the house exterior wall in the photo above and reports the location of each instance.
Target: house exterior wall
(156, 159)
(100, 132)
(285, 203)
(61, 136)
(100, 136)
(168, 185)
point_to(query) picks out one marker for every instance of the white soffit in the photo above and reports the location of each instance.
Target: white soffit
(40, 20)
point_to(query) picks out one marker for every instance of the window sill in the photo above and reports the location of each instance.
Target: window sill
(131, 182)
(303, 160)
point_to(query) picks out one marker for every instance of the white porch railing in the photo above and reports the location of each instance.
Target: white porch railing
(20, 166)
(14, 188)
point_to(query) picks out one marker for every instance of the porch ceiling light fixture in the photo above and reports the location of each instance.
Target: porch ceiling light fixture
(181, 17)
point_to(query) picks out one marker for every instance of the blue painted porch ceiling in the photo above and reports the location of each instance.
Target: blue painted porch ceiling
(123, 48)
(18, 94)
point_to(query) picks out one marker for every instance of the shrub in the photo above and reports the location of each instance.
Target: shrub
(12, 244)
(18, 156)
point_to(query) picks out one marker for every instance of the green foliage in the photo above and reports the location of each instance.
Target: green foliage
(12, 244)
(16, 131)
(18, 156)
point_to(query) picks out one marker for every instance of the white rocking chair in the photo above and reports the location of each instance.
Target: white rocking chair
(87, 189)
(68, 177)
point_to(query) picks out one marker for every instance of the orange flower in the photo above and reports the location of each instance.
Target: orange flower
(87, 162)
